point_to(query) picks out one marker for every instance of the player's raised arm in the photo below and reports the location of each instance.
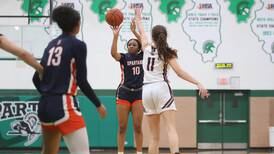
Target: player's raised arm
(114, 51)
(186, 76)
(133, 30)
(81, 77)
(19, 52)
(140, 27)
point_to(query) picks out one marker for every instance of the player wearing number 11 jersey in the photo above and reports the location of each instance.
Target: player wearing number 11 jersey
(158, 99)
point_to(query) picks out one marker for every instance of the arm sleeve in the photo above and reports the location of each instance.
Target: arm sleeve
(81, 76)
(36, 81)
(122, 59)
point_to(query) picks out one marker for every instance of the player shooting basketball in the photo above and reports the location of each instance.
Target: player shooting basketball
(129, 92)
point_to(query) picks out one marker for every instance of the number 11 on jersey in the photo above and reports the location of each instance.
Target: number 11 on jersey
(150, 64)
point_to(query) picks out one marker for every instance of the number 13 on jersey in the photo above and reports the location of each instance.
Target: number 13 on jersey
(55, 55)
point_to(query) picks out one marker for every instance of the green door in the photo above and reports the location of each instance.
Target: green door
(223, 120)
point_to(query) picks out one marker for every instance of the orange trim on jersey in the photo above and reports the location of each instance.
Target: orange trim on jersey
(123, 102)
(49, 128)
(137, 101)
(74, 122)
(73, 83)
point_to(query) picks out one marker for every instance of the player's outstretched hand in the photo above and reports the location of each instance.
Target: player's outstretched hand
(116, 30)
(138, 14)
(133, 25)
(102, 111)
(202, 91)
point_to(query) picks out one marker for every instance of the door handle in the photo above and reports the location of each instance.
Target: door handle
(210, 121)
(235, 121)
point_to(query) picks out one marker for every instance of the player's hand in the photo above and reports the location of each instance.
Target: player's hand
(133, 25)
(202, 91)
(116, 30)
(138, 14)
(40, 72)
(102, 111)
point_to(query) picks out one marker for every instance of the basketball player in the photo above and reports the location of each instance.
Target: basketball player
(129, 92)
(64, 63)
(19, 52)
(158, 99)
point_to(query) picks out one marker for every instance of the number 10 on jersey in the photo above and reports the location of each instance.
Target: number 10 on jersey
(136, 70)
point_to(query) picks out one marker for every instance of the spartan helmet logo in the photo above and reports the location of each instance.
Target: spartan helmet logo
(28, 127)
(173, 8)
(104, 6)
(208, 47)
(243, 8)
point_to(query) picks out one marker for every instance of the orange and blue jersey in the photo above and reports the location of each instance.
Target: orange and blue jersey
(64, 62)
(132, 73)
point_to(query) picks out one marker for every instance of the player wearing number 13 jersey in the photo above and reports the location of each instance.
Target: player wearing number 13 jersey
(65, 69)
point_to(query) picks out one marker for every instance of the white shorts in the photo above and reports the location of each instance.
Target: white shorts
(157, 98)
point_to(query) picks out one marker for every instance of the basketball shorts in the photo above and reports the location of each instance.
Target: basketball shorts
(157, 98)
(60, 112)
(128, 96)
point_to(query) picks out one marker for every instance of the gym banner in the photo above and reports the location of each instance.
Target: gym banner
(19, 123)
(21, 128)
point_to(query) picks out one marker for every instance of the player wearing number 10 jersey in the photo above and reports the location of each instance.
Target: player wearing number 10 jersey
(129, 92)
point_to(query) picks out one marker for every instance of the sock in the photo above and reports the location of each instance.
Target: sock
(120, 152)
(139, 152)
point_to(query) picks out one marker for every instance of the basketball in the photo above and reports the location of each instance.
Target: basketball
(114, 17)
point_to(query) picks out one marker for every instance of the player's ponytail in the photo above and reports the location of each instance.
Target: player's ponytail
(159, 36)
(66, 17)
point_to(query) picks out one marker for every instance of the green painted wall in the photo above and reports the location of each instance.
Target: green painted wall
(102, 133)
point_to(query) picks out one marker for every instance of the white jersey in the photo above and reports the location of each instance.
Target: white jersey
(155, 69)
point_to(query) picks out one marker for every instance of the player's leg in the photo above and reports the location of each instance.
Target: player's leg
(77, 141)
(137, 115)
(152, 116)
(167, 109)
(51, 135)
(123, 113)
(74, 128)
(154, 129)
(51, 141)
(169, 118)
